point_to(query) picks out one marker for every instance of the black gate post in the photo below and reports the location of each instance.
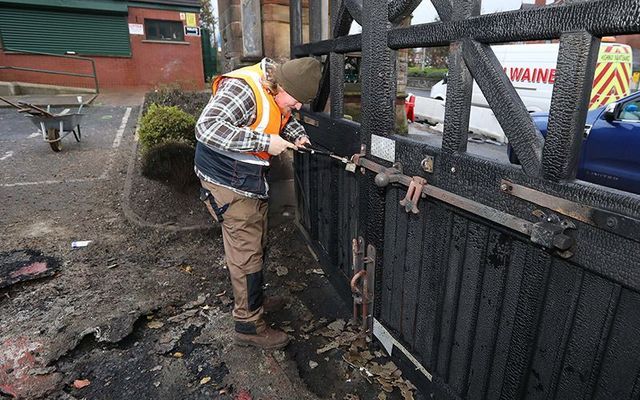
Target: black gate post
(459, 81)
(377, 72)
(295, 32)
(576, 65)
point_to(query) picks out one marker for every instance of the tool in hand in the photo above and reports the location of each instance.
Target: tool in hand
(312, 151)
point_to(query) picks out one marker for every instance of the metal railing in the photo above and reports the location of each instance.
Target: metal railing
(47, 71)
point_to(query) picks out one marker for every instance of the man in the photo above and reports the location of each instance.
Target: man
(248, 120)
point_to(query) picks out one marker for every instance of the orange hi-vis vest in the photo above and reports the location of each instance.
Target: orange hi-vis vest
(269, 119)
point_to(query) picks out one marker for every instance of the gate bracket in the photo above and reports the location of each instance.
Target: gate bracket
(550, 233)
(414, 193)
(362, 283)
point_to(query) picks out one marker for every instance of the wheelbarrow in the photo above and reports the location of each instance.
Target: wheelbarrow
(53, 127)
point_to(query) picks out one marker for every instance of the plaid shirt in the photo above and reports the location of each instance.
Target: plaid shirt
(224, 122)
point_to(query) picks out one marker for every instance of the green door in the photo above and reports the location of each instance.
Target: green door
(209, 55)
(57, 31)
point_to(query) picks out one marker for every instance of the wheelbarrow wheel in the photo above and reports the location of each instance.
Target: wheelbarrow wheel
(54, 134)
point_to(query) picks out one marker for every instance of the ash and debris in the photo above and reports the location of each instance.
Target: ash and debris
(147, 314)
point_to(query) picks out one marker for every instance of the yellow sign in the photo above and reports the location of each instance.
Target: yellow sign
(615, 57)
(612, 75)
(191, 19)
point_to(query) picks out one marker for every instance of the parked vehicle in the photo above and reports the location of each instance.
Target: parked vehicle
(532, 70)
(611, 147)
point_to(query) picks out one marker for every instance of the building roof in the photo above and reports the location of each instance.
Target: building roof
(114, 6)
(184, 3)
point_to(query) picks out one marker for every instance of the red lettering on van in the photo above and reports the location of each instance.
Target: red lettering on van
(516, 73)
(543, 75)
(533, 75)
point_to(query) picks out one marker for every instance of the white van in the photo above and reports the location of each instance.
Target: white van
(532, 70)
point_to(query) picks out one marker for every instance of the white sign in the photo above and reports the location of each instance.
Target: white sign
(383, 147)
(136, 29)
(183, 16)
(191, 31)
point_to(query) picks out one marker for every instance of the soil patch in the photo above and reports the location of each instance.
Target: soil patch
(158, 203)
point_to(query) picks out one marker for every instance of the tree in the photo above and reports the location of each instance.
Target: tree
(207, 20)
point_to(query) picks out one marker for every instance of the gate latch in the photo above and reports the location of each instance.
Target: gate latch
(414, 193)
(550, 233)
(362, 283)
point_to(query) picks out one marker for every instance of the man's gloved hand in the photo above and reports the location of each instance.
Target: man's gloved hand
(278, 145)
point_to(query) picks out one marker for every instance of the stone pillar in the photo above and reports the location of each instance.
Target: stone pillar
(275, 31)
(275, 26)
(229, 16)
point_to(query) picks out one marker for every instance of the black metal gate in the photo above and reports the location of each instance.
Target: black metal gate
(491, 280)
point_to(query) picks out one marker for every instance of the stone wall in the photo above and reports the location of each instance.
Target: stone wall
(275, 31)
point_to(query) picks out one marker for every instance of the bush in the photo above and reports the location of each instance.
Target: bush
(172, 95)
(166, 124)
(429, 72)
(172, 163)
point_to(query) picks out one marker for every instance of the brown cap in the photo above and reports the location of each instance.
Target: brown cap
(300, 78)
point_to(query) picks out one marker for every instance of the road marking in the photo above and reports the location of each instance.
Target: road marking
(103, 176)
(6, 155)
(77, 180)
(123, 125)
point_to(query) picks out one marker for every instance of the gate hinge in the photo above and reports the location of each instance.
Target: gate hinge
(362, 283)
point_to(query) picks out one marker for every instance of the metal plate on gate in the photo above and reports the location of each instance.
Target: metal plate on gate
(383, 148)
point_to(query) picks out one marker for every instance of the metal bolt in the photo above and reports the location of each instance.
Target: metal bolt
(427, 164)
(504, 187)
(612, 222)
(382, 179)
(562, 242)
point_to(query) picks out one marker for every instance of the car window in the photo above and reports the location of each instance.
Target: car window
(630, 111)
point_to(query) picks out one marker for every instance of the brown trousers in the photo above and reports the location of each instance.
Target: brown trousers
(244, 232)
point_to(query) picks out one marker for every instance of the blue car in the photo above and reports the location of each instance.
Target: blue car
(610, 154)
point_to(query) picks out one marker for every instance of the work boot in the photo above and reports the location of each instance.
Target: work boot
(267, 339)
(273, 303)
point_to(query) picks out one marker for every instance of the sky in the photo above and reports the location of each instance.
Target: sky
(426, 13)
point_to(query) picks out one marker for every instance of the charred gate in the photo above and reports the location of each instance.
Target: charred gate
(509, 282)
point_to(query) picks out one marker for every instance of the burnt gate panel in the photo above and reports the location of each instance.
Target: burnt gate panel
(494, 290)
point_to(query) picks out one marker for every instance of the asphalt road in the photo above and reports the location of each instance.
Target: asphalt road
(419, 92)
(26, 160)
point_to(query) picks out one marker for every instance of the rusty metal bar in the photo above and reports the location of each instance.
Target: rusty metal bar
(497, 216)
(607, 220)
